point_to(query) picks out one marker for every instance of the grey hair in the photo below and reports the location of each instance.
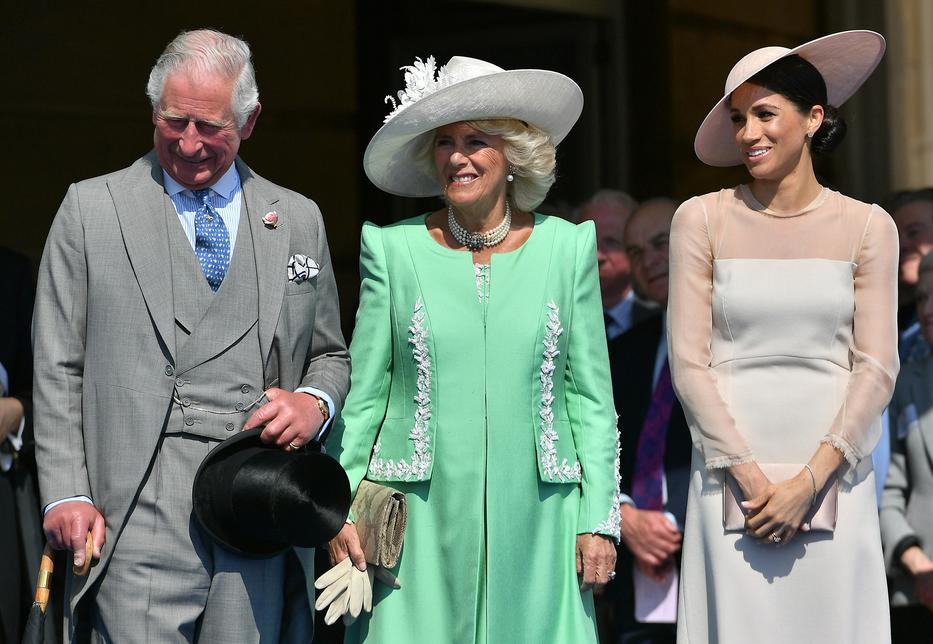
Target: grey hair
(529, 151)
(623, 201)
(206, 51)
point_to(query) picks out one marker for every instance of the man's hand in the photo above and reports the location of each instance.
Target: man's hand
(290, 418)
(596, 558)
(66, 527)
(918, 564)
(11, 415)
(650, 537)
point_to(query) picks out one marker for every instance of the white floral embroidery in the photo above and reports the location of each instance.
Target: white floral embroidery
(417, 469)
(419, 82)
(481, 271)
(564, 471)
(613, 523)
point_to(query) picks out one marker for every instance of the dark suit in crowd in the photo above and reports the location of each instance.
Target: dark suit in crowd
(632, 357)
(20, 530)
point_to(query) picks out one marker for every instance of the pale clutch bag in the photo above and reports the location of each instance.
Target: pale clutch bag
(381, 514)
(822, 516)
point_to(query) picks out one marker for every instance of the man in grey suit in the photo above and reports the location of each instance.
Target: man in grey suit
(180, 300)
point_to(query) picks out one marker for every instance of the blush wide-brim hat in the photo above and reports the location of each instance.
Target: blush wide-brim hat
(845, 60)
(465, 89)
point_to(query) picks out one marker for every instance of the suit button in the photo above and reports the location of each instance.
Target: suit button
(246, 389)
(239, 406)
(189, 421)
(169, 370)
(179, 382)
(186, 401)
(229, 427)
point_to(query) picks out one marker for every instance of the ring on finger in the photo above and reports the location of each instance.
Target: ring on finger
(775, 537)
(292, 447)
(611, 575)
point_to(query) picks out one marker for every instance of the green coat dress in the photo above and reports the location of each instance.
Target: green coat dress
(491, 408)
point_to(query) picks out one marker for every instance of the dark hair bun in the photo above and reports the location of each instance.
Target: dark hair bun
(831, 132)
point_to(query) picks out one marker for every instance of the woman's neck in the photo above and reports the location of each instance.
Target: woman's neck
(481, 216)
(791, 193)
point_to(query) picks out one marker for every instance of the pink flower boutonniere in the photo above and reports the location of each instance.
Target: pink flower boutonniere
(271, 219)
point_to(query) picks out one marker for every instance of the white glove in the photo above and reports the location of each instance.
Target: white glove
(348, 591)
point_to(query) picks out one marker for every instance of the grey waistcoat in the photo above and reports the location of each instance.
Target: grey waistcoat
(209, 376)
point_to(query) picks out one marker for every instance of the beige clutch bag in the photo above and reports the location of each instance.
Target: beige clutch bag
(381, 514)
(822, 516)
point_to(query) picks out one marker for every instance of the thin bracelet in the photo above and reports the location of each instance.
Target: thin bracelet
(812, 482)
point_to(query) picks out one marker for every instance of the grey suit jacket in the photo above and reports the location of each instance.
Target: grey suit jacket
(907, 499)
(104, 330)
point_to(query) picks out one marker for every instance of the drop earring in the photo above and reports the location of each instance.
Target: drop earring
(510, 177)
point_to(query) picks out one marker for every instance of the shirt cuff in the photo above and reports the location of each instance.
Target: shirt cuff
(625, 499)
(330, 408)
(70, 498)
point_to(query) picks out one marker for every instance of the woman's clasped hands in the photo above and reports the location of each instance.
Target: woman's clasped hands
(775, 511)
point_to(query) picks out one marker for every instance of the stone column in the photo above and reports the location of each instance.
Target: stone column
(910, 92)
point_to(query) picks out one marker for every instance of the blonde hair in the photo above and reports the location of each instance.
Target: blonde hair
(529, 151)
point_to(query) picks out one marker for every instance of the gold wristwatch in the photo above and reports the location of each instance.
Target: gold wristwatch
(322, 405)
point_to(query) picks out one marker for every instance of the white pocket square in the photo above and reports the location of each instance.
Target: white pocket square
(301, 268)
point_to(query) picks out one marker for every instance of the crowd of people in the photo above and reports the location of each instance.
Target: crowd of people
(653, 424)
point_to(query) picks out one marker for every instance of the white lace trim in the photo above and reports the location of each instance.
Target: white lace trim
(844, 447)
(720, 462)
(613, 523)
(417, 469)
(564, 471)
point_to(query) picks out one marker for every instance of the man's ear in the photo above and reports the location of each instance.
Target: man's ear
(247, 128)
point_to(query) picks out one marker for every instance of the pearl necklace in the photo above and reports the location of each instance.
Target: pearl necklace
(477, 241)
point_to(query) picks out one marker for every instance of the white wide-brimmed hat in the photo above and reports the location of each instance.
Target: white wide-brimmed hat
(464, 89)
(845, 60)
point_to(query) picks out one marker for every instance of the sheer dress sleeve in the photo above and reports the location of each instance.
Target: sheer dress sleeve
(690, 322)
(873, 354)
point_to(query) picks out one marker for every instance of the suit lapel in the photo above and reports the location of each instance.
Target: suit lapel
(271, 248)
(139, 199)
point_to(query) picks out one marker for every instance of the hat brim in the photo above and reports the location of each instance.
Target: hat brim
(845, 60)
(548, 100)
(212, 497)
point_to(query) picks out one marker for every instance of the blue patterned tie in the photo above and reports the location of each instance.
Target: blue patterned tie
(211, 241)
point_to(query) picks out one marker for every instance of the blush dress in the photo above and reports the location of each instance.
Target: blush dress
(782, 336)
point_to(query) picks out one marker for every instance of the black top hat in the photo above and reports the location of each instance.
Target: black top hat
(258, 500)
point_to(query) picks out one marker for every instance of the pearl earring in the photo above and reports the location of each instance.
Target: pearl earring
(809, 135)
(510, 177)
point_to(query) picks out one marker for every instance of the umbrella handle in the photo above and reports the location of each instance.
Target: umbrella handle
(88, 557)
(44, 582)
